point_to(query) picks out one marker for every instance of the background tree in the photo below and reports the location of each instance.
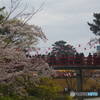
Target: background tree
(62, 48)
(95, 28)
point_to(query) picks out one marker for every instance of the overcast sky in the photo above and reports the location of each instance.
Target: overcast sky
(65, 20)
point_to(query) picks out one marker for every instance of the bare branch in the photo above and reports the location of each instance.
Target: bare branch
(93, 41)
(12, 9)
(33, 13)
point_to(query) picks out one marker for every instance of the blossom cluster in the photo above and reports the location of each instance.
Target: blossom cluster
(15, 63)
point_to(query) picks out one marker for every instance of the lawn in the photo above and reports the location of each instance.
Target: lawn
(89, 83)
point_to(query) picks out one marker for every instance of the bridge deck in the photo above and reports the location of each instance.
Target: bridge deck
(76, 67)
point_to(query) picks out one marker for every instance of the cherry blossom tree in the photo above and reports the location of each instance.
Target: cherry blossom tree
(16, 30)
(17, 33)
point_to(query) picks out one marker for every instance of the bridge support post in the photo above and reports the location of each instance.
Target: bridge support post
(79, 83)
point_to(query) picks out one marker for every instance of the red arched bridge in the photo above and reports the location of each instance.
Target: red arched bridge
(73, 62)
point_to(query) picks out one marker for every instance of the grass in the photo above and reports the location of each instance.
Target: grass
(89, 83)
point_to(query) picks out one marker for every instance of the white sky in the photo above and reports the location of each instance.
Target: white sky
(64, 20)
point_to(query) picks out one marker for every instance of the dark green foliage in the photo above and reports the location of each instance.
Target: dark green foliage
(18, 98)
(42, 89)
(5, 32)
(1, 16)
(7, 90)
(64, 49)
(7, 59)
(95, 27)
(7, 93)
(2, 8)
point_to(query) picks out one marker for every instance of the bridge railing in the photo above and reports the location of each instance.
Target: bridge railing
(68, 60)
(72, 60)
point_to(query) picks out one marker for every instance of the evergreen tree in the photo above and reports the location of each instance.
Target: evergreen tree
(95, 27)
(62, 48)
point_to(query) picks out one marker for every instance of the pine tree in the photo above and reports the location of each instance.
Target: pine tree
(95, 27)
(63, 48)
